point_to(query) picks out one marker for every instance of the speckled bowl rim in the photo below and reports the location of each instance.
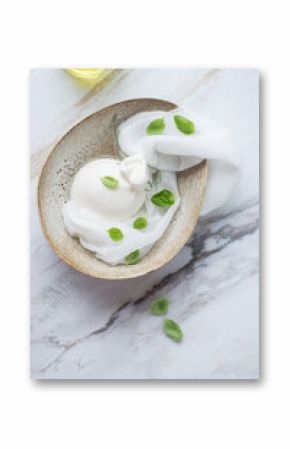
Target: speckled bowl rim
(58, 251)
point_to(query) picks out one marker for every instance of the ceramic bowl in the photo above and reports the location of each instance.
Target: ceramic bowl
(91, 138)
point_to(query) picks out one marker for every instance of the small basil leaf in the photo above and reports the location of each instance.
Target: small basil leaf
(184, 125)
(115, 234)
(133, 257)
(159, 306)
(140, 223)
(110, 182)
(156, 126)
(172, 330)
(164, 198)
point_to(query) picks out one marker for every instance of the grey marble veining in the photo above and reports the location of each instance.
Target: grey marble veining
(84, 328)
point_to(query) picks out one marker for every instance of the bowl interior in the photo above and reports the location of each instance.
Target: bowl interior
(91, 138)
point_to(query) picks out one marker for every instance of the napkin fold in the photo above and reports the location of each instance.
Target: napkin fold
(175, 151)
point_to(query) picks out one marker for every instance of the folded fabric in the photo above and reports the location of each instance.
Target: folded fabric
(175, 151)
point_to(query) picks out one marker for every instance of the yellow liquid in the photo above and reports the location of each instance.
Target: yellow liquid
(90, 74)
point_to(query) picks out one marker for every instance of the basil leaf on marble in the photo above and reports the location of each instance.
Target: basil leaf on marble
(133, 257)
(156, 126)
(140, 223)
(110, 182)
(164, 198)
(159, 306)
(184, 125)
(172, 330)
(115, 234)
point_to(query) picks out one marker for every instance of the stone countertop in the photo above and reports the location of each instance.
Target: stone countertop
(85, 328)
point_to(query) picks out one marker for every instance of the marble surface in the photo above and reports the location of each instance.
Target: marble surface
(84, 328)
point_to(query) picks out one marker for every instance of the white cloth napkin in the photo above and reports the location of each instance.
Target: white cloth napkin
(175, 151)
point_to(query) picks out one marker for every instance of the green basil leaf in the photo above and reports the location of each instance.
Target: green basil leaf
(172, 330)
(184, 125)
(140, 223)
(156, 126)
(159, 306)
(115, 234)
(133, 257)
(164, 198)
(110, 182)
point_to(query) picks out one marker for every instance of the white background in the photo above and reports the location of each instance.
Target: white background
(141, 415)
